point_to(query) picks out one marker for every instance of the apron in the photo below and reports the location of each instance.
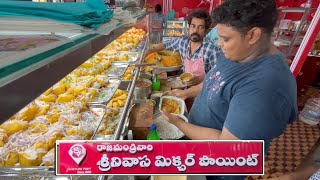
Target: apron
(196, 67)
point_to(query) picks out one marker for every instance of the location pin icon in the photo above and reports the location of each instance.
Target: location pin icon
(77, 152)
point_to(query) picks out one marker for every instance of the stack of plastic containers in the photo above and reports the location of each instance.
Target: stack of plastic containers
(311, 112)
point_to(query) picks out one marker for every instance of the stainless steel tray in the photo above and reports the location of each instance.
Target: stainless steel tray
(112, 123)
(117, 69)
(170, 32)
(171, 24)
(48, 172)
(168, 69)
(105, 94)
(133, 56)
(133, 71)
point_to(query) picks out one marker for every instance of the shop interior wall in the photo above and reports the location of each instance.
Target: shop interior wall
(182, 8)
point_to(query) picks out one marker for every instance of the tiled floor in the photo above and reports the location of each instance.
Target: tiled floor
(289, 150)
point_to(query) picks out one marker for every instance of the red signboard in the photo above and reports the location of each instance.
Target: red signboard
(160, 157)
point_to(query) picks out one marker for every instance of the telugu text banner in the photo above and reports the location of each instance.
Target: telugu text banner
(160, 157)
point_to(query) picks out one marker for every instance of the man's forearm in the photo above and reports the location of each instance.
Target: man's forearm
(155, 48)
(193, 91)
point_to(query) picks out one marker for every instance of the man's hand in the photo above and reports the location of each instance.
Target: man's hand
(191, 92)
(179, 93)
(154, 48)
(171, 118)
(193, 81)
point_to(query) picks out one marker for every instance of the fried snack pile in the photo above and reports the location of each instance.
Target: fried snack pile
(119, 99)
(164, 59)
(128, 75)
(175, 26)
(174, 33)
(171, 106)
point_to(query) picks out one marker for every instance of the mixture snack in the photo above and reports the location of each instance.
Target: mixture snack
(143, 84)
(14, 126)
(186, 76)
(3, 137)
(171, 106)
(164, 58)
(119, 99)
(61, 112)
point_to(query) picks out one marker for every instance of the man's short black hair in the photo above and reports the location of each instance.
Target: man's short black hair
(243, 15)
(201, 14)
(158, 8)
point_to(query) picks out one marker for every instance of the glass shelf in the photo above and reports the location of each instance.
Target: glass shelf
(25, 74)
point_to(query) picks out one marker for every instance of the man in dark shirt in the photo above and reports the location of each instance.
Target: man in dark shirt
(250, 93)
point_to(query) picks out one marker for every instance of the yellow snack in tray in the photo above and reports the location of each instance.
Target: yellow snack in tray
(3, 137)
(87, 65)
(47, 92)
(48, 98)
(106, 131)
(41, 145)
(105, 63)
(99, 69)
(121, 103)
(100, 54)
(54, 117)
(56, 136)
(119, 99)
(59, 88)
(87, 135)
(28, 158)
(38, 127)
(3, 154)
(78, 90)
(13, 117)
(65, 122)
(102, 80)
(29, 112)
(118, 93)
(76, 72)
(128, 75)
(48, 159)
(122, 97)
(115, 104)
(112, 113)
(13, 159)
(93, 92)
(72, 131)
(14, 126)
(41, 153)
(84, 82)
(43, 110)
(41, 148)
(111, 58)
(63, 98)
(124, 57)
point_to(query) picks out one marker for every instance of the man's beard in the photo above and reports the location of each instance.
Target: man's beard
(195, 37)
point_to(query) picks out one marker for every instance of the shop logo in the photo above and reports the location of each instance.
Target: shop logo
(77, 152)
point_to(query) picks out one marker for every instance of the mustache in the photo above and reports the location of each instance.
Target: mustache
(196, 34)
